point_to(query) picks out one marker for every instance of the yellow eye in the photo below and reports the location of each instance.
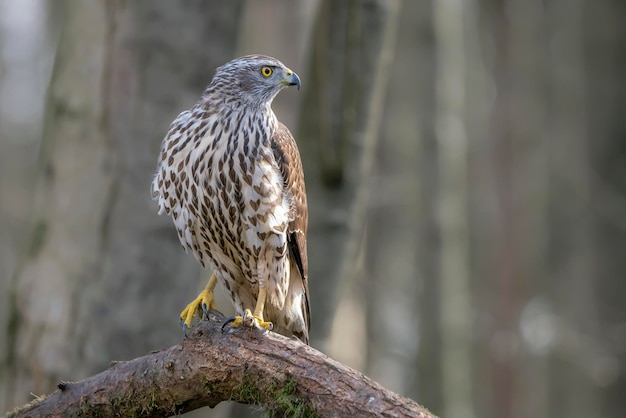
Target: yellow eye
(266, 71)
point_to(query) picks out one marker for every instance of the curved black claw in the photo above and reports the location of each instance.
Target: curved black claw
(233, 319)
(205, 310)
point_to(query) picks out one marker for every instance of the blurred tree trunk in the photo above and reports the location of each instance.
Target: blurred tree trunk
(103, 276)
(23, 84)
(605, 99)
(338, 133)
(590, 290)
(510, 201)
(503, 263)
(427, 379)
(572, 263)
(399, 280)
(452, 206)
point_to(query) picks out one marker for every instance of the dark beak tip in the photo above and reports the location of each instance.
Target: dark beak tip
(295, 80)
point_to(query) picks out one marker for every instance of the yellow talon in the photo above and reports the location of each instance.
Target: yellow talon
(200, 305)
(234, 321)
(249, 319)
(256, 320)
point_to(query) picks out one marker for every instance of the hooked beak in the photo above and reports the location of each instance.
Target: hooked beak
(291, 79)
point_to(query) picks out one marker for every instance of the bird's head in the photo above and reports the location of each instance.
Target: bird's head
(256, 79)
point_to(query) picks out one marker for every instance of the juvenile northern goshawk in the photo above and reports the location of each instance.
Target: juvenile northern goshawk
(230, 175)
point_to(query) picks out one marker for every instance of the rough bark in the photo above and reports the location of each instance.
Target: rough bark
(283, 375)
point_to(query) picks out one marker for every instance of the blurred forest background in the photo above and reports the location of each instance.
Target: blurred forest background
(466, 172)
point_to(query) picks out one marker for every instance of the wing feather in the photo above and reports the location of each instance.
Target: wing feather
(288, 158)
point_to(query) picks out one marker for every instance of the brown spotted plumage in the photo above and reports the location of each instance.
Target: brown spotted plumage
(230, 175)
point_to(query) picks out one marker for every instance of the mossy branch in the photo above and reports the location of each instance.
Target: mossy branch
(285, 376)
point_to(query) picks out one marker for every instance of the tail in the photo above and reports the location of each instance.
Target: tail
(294, 319)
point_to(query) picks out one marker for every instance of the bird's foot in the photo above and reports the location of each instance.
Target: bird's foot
(200, 306)
(249, 320)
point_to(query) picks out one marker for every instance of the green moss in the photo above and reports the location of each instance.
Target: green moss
(208, 385)
(88, 410)
(138, 406)
(284, 401)
(278, 400)
(247, 391)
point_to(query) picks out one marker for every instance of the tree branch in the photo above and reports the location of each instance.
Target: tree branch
(285, 376)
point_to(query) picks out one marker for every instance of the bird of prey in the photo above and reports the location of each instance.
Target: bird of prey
(230, 175)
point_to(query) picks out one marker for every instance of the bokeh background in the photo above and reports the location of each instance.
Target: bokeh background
(466, 171)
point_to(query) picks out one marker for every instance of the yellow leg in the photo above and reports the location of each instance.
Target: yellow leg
(199, 305)
(252, 319)
(260, 303)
